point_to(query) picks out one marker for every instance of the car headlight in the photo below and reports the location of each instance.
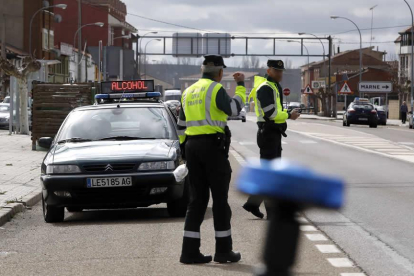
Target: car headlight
(62, 169)
(157, 166)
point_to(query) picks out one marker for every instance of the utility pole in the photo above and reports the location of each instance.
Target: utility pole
(3, 51)
(79, 41)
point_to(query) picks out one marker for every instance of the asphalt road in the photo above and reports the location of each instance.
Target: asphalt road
(374, 231)
(146, 241)
(376, 227)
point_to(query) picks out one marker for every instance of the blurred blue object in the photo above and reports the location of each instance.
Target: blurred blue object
(285, 180)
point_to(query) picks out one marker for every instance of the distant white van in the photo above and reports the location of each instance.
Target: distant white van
(170, 95)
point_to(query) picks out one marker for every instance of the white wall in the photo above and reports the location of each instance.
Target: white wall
(73, 69)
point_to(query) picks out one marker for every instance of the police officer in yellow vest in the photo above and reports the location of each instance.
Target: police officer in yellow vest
(203, 126)
(271, 119)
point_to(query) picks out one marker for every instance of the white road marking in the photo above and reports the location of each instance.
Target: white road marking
(328, 248)
(316, 237)
(353, 274)
(302, 220)
(406, 143)
(238, 157)
(247, 143)
(308, 142)
(370, 150)
(341, 262)
(308, 228)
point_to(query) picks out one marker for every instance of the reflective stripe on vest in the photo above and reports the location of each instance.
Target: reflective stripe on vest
(260, 111)
(214, 119)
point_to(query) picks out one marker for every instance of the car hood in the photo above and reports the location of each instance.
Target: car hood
(115, 151)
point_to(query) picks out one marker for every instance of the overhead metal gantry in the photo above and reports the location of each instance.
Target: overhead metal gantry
(195, 40)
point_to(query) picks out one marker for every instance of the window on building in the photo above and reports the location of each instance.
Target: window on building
(45, 40)
(51, 40)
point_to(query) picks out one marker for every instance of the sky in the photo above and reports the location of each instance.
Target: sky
(272, 18)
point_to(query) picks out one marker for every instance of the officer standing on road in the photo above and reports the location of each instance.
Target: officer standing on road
(271, 119)
(203, 130)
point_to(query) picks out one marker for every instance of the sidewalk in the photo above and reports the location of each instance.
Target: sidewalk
(19, 174)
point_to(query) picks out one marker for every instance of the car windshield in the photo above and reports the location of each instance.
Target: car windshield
(4, 108)
(119, 123)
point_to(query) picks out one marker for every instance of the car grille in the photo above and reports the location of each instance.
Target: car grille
(109, 195)
(109, 168)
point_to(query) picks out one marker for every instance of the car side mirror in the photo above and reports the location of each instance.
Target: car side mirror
(45, 142)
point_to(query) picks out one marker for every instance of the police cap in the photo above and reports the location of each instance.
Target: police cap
(214, 60)
(276, 64)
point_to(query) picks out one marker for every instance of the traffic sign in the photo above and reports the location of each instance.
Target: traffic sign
(375, 87)
(308, 90)
(318, 84)
(345, 89)
(286, 91)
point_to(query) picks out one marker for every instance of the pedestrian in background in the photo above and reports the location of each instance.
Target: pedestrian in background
(204, 133)
(404, 111)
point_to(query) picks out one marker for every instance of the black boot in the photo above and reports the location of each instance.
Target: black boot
(232, 257)
(254, 210)
(196, 259)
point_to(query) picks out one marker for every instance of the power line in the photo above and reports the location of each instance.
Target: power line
(167, 23)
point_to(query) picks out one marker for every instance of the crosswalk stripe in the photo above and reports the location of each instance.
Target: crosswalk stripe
(316, 237)
(327, 248)
(341, 262)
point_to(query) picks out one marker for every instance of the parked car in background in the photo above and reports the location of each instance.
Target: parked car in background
(382, 115)
(241, 116)
(361, 112)
(294, 105)
(174, 106)
(6, 99)
(4, 115)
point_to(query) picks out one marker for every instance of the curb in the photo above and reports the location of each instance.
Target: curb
(10, 210)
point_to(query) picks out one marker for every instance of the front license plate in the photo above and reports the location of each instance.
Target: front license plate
(109, 182)
(363, 119)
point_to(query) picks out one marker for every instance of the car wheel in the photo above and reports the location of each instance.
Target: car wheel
(410, 126)
(74, 209)
(51, 213)
(178, 208)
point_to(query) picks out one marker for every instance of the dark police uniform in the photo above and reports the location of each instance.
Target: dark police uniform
(203, 129)
(272, 126)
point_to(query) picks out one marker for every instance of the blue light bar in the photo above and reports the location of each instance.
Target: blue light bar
(128, 95)
(153, 94)
(101, 96)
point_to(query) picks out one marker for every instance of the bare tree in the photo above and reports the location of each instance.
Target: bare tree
(29, 65)
(251, 62)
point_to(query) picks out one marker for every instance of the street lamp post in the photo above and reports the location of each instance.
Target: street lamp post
(140, 44)
(324, 62)
(99, 24)
(372, 22)
(412, 56)
(307, 51)
(333, 17)
(60, 6)
(145, 55)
